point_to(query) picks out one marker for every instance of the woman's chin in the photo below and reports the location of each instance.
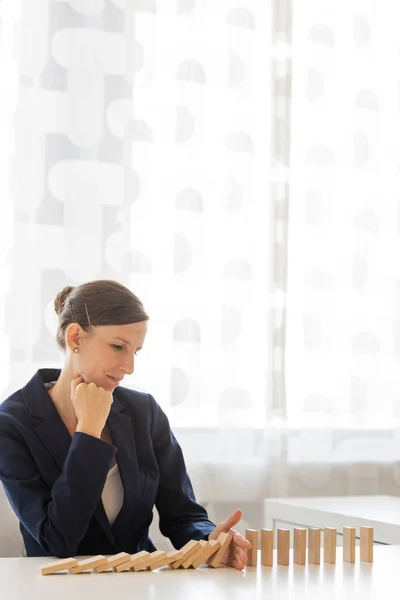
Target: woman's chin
(110, 383)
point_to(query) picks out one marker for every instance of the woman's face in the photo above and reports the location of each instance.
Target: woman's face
(107, 353)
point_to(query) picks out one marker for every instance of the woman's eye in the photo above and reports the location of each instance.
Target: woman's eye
(116, 347)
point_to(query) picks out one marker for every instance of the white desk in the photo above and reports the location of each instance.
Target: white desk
(380, 512)
(20, 579)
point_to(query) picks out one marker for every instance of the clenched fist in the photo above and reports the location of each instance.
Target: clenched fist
(92, 406)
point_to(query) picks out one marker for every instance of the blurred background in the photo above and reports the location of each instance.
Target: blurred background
(236, 164)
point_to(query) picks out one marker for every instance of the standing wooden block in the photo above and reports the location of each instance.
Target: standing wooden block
(215, 560)
(59, 565)
(366, 544)
(283, 546)
(252, 536)
(299, 545)
(89, 563)
(330, 545)
(349, 544)
(212, 547)
(188, 549)
(267, 547)
(314, 546)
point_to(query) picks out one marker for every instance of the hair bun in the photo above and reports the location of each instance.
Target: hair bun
(61, 298)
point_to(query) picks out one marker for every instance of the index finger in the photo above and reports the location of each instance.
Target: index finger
(240, 540)
(75, 383)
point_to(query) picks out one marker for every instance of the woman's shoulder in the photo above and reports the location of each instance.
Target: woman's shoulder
(133, 399)
(12, 411)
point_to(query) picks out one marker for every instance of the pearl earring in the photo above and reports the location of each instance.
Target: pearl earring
(76, 350)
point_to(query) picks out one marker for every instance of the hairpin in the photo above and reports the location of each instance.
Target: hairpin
(87, 314)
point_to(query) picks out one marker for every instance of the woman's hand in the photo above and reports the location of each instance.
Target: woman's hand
(92, 406)
(236, 555)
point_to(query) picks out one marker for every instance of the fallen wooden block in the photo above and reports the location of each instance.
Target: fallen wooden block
(89, 563)
(59, 565)
(211, 548)
(113, 561)
(195, 555)
(188, 549)
(169, 558)
(148, 560)
(215, 560)
(134, 560)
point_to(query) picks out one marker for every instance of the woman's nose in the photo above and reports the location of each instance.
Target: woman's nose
(128, 365)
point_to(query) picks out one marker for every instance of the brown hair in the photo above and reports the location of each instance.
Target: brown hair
(100, 302)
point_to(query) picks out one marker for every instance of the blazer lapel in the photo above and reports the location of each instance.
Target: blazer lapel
(52, 431)
(123, 439)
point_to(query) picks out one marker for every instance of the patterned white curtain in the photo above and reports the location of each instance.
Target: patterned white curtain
(151, 145)
(214, 156)
(149, 142)
(343, 316)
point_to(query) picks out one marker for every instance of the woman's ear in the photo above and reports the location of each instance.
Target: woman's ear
(73, 335)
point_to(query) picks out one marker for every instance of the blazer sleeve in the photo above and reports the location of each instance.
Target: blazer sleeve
(57, 518)
(181, 518)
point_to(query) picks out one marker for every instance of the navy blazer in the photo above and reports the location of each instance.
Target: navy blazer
(54, 482)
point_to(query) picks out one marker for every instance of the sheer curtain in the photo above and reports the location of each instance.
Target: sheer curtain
(150, 143)
(235, 166)
(343, 285)
(342, 344)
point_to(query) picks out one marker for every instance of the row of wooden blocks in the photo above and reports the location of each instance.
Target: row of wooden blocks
(314, 545)
(193, 554)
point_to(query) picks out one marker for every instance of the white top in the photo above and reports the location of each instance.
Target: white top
(113, 494)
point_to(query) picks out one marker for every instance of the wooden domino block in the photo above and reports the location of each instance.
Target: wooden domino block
(113, 561)
(215, 560)
(89, 563)
(330, 545)
(189, 561)
(208, 551)
(366, 544)
(267, 547)
(153, 557)
(349, 544)
(299, 546)
(59, 565)
(134, 560)
(188, 549)
(314, 546)
(283, 546)
(169, 558)
(252, 536)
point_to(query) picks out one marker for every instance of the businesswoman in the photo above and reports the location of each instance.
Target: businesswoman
(84, 460)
